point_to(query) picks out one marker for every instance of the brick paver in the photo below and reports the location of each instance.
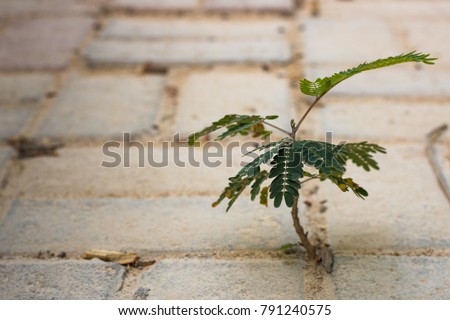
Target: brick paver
(158, 28)
(63, 279)
(29, 88)
(254, 92)
(122, 53)
(85, 72)
(395, 120)
(42, 43)
(13, 120)
(128, 42)
(386, 10)
(106, 106)
(399, 80)
(22, 8)
(85, 177)
(404, 210)
(5, 154)
(388, 277)
(159, 225)
(156, 4)
(258, 5)
(224, 279)
(423, 34)
(339, 42)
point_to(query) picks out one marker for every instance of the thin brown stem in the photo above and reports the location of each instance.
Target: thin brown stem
(309, 179)
(278, 128)
(310, 249)
(295, 129)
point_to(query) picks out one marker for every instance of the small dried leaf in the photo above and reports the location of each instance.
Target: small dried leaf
(112, 256)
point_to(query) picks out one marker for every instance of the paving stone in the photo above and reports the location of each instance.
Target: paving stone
(388, 277)
(33, 7)
(156, 4)
(157, 28)
(119, 53)
(5, 154)
(78, 172)
(42, 43)
(392, 10)
(400, 80)
(29, 88)
(206, 96)
(104, 106)
(261, 279)
(62, 280)
(430, 36)
(13, 120)
(259, 5)
(340, 42)
(405, 209)
(164, 225)
(383, 120)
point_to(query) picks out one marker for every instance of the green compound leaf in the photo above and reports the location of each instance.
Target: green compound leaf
(235, 124)
(236, 186)
(253, 167)
(319, 87)
(287, 170)
(288, 158)
(248, 174)
(256, 186)
(325, 157)
(361, 154)
(346, 184)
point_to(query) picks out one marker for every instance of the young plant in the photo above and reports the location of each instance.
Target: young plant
(295, 161)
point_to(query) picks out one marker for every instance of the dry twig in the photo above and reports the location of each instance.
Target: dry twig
(430, 150)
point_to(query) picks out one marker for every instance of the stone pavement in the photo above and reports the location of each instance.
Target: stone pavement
(84, 72)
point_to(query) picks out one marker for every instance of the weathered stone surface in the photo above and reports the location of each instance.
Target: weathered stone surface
(400, 80)
(156, 4)
(382, 120)
(347, 43)
(13, 120)
(261, 279)
(5, 153)
(167, 224)
(386, 10)
(117, 53)
(405, 209)
(189, 41)
(104, 106)
(78, 172)
(156, 28)
(32, 7)
(41, 43)
(226, 92)
(29, 88)
(431, 36)
(390, 277)
(64, 279)
(259, 5)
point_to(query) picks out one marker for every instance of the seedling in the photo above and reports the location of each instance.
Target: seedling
(294, 161)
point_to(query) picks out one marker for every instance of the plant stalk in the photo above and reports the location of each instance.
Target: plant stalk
(310, 249)
(295, 129)
(276, 127)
